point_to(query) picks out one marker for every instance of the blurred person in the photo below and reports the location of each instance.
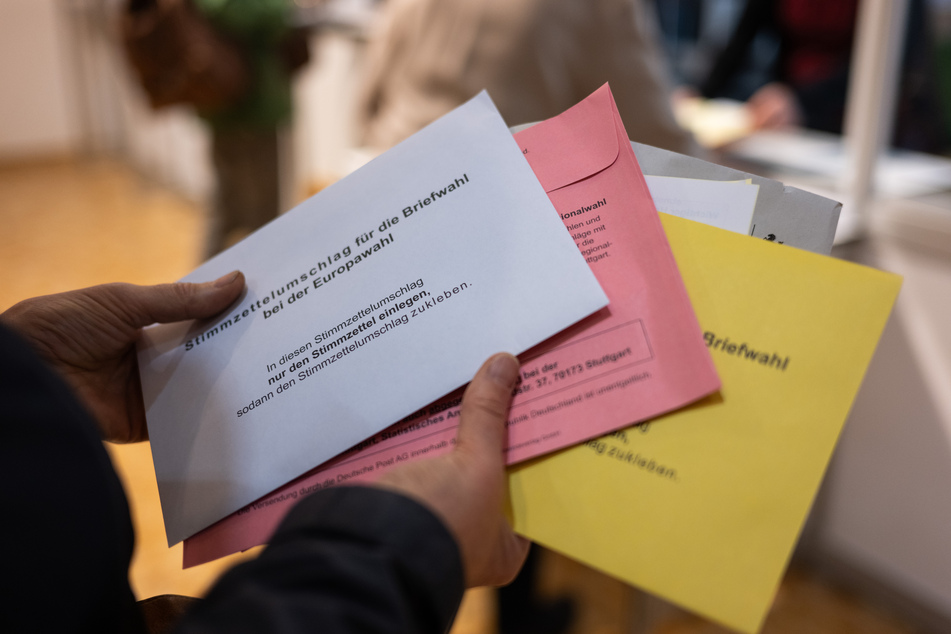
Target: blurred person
(393, 556)
(809, 76)
(232, 60)
(249, 137)
(536, 58)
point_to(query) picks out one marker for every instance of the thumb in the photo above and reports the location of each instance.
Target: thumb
(166, 303)
(485, 407)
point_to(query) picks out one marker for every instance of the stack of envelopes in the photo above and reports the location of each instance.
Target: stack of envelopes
(684, 379)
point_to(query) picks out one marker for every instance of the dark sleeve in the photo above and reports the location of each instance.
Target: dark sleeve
(66, 530)
(346, 559)
(757, 15)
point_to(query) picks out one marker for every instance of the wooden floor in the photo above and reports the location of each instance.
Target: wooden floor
(70, 224)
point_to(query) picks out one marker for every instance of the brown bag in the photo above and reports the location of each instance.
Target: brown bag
(180, 58)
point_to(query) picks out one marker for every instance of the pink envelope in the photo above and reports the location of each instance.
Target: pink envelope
(640, 357)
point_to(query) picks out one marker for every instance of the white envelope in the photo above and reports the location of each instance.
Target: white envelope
(377, 296)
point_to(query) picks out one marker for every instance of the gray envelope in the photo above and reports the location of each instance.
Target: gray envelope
(782, 214)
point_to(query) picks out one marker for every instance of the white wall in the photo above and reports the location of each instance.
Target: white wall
(885, 508)
(37, 109)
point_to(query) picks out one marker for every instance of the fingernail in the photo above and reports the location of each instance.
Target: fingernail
(504, 369)
(226, 279)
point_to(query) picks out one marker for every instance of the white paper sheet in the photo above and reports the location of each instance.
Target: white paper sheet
(725, 204)
(783, 214)
(370, 300)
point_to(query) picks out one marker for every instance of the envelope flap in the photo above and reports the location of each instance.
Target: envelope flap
(545, 144)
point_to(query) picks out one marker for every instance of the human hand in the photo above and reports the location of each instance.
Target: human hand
(774, 106)
(466, 488)
(89, 336)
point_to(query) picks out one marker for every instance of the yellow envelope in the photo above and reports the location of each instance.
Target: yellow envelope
(703, 506)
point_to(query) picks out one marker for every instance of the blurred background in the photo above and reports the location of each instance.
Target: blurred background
(110, 170)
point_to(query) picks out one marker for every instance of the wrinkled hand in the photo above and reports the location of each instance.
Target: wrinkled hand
(467, 487)
(89, 336)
